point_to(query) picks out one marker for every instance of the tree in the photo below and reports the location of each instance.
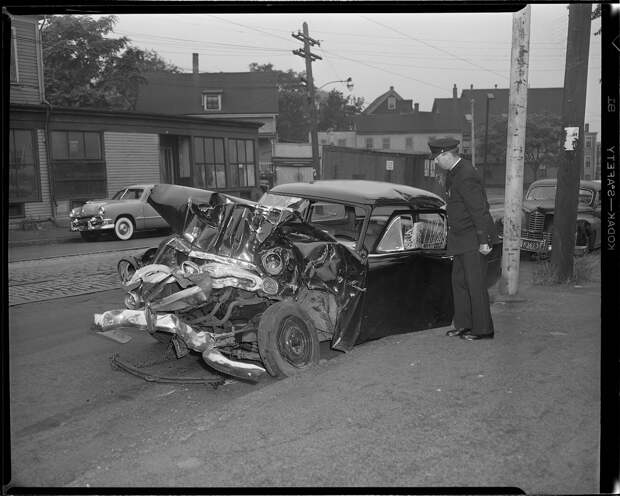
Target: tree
(85, 67)
(334, 110)
(543, 137)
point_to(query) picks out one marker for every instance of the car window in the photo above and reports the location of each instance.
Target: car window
(119, 194)
(541, 193)
(586, 196)
(128, 194)
(423, 230)
(338, 219)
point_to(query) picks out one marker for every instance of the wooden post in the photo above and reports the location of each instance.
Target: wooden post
(573, 111)
(517, 113)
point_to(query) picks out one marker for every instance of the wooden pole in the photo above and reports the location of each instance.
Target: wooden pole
(517, 113)
(573, 112)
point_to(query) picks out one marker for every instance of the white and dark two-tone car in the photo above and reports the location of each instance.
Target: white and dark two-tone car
(125, 213)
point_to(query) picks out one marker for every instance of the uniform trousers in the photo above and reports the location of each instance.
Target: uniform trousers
(471, 298)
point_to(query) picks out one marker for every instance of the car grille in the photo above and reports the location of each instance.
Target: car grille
(534, 226)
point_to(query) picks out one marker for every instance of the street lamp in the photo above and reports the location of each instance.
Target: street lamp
(490, 97)
(349, 82)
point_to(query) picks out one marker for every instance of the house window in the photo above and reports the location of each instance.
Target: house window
(23, 168)
(588, 142)
(241, 164)
(79, 168)
(429, 168)
(16, 210)
(409, 143)
(212, 101)
(588, 163)
(209, 161)
(14, 77)
(385, 143)
(369, 143)
(342, 142)
(391, 102)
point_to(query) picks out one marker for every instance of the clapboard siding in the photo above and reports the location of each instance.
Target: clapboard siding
(131, 158)
(26, 89)
(40, 210)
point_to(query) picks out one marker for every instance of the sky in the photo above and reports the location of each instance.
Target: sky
(422, 55)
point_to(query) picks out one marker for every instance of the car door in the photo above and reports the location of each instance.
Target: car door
(152, 220)
(408, 274)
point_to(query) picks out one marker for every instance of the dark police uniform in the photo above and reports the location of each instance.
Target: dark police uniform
(469, 225)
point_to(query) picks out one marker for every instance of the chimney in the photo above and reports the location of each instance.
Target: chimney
(416, 107)
(454, 91)
(391, 88)
(195, 63)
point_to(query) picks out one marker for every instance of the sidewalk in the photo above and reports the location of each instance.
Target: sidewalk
(44, 233)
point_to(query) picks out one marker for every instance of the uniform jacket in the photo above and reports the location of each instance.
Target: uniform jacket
(469, 222)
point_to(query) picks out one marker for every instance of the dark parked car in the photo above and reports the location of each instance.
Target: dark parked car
(539, 209)
(124, 214)
(255, 287)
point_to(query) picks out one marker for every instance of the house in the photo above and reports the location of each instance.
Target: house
(233, 96)
(392, 123)
(475, 103)
(60, 157)
(591, 164)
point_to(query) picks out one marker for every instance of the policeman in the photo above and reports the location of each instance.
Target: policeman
(471, 234)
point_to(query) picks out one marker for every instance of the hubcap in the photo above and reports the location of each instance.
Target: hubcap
(294, 342)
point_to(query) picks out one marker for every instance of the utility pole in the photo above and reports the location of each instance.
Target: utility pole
(310, 57)
(517, 113)
(573, 111)
(473, 140)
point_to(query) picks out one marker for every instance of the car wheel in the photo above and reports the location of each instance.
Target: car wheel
(287, 340)
(89, 235)
(123, 228)
(126, 268)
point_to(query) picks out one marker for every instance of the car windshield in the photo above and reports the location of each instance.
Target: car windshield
(128, 194)
(270, 200)
(548, 193)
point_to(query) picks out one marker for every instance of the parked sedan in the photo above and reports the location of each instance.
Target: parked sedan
(255, 287)
(125, 213)
(538, 213)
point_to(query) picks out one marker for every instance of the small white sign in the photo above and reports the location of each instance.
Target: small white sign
(389, 165)
(572, 135)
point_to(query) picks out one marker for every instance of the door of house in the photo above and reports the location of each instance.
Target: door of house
(167, 164)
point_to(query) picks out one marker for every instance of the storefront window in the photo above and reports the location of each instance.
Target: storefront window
(23, 168)
(209, 161)
(241, 165)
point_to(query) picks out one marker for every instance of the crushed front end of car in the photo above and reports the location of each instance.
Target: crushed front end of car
(252, 287)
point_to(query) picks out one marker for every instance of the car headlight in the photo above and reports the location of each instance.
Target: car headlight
(73, 212)
(272, 262)
(101, 211)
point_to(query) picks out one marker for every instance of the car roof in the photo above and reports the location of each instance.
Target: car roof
(360, 191)
(593, 184)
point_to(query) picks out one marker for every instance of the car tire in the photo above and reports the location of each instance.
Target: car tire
(287, 339)
(89, 236)
(126, 268)
(124, 228)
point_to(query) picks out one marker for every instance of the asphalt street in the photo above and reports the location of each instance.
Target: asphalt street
(417, 409)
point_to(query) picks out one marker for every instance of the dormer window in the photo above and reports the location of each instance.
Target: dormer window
(391, 102)
(212, 100)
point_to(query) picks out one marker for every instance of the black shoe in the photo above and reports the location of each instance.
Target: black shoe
(474, 337)
(456, 332)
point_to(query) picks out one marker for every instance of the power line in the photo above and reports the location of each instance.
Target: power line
(436, 48)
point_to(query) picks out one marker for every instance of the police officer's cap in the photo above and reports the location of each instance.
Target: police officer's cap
(441, 145)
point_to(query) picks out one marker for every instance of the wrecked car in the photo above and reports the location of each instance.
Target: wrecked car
(255, 287)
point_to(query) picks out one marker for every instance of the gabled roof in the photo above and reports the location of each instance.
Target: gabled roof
(181, 94)
(415, 122)
(377, 102)
(539, 101)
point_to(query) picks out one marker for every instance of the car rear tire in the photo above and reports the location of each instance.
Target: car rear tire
(89, 236)
(287, 339)
(124, 228)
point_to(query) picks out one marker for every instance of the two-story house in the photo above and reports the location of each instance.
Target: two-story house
(231, 96)
(393, 123)
(60, 157)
